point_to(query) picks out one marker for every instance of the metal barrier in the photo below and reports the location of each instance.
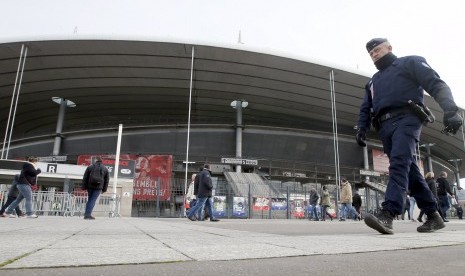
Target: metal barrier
(109, 204)
(65, 204)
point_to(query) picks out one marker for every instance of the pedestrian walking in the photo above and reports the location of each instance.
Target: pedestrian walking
(429, 177)
(204, 196)
(13, 193)
(444, 193)
(325, 204)
(314, 197)
(95, 181)
(357, 204)
(346, 199)
(27, 178)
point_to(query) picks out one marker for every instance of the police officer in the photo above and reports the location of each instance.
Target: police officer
(386, 105)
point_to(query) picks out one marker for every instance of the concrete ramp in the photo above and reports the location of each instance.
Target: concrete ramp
(376, 186)
(242, 182)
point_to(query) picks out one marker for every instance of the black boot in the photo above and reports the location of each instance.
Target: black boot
(381, 222)
(433, 222)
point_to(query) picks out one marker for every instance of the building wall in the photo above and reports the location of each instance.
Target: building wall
(211, 143)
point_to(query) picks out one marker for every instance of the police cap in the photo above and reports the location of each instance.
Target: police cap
(375, 42)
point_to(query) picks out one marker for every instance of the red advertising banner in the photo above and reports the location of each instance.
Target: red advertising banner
(150, 171)
(261, 204)
(380, 161)
(299, 211)
(153, 170)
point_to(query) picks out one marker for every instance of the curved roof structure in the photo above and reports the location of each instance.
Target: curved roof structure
(148, 83)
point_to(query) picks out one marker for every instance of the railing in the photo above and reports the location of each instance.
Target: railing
(65, 204)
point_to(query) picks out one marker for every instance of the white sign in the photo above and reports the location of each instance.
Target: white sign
(371, 173)
(292, 174)
(239, 161)
(61, 158)
(62, 168)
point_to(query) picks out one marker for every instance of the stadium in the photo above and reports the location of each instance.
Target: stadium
(271, 126)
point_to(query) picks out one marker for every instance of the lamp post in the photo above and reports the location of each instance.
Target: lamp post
(428, 152)
(239, 105)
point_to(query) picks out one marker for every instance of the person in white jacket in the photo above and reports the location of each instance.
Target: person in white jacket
(190, 196)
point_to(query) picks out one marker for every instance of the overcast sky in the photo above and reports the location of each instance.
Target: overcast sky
(332, 31)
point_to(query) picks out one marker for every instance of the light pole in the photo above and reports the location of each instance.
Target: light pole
(239, 105)
(428, 152)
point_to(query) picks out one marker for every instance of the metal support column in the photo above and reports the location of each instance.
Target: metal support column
(59, 129)
(64, 103)
(238, 132)
(239, 105)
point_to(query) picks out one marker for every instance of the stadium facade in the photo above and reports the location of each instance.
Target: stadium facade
(296, 128)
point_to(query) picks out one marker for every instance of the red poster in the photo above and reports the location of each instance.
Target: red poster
(261, 204)
(380, 161)
(150, 171)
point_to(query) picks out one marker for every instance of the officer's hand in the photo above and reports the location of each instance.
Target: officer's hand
(361, 137)
(452, 122)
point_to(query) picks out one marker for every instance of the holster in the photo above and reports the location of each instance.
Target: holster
(422, 111)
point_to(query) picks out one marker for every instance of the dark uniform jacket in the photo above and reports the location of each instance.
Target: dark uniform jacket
(400, 82)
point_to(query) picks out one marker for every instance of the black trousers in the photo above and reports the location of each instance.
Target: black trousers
(9, 200)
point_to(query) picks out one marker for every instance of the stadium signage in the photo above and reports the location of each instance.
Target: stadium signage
(239, 161)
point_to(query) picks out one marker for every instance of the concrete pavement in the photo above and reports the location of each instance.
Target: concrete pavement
(51, 244)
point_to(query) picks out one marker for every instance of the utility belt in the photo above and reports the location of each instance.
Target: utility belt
(392, 113)
(420, 110)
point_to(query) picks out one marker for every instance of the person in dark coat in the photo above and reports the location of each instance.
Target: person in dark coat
(459, 211)
(444, 192)
(13, 193)
(93, 192)
(206, 215)
(204, 196)
(429, 177)
(27, 178)
(357, 203)
(314, 197)
(406, 208)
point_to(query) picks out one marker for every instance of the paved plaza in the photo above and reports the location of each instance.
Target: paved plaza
(148, 246)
